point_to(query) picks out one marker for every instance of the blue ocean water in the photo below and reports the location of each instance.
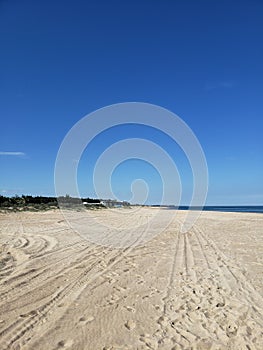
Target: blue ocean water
(237, 209)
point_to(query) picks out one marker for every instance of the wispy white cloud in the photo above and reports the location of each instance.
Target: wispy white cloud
(2, 153)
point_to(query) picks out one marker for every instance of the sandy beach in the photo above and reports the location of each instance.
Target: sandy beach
(199, 290)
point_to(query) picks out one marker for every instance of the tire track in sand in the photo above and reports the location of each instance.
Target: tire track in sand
(64, 316)
(16, 331)
(40, 276)
(207, 303)
(212, 312)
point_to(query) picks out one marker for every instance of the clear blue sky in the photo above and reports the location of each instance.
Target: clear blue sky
(61, 60)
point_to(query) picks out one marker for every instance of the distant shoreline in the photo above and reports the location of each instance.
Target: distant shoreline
(43, 203)
(223, 208)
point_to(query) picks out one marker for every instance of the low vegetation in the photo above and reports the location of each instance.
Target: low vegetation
(38, 203)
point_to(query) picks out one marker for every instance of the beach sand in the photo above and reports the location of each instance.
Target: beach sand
(199, 290)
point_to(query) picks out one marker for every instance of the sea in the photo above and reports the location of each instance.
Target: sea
(235, 209)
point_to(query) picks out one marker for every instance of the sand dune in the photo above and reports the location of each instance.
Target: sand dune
(200, 290)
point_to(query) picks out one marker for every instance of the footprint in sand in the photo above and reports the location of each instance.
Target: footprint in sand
(86, 320)
(130, 325)
(62, 344)
(149, 341)
(117, 347)
(130, 308)
(231, 329)
(139, 279)
(120, 289)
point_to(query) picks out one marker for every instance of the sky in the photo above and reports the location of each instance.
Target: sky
(202, 60)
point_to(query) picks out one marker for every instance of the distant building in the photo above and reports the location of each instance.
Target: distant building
(87, 203)
(112, 203)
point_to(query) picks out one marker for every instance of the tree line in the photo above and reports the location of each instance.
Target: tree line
(41, 202)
